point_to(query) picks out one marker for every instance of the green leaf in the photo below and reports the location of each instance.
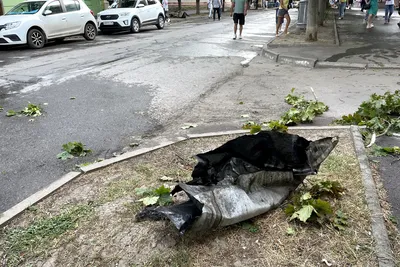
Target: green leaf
(11, 113)
(249, 226)
(64, 155)
(162, 190)
(255, 129)
(142, 191)
(165, 199)
(147, 201)
(306, 196)
(304, 213)
(290, 231)
(1, 108)
(241, 103)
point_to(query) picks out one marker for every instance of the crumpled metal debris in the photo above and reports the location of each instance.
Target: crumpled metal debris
(243, 178)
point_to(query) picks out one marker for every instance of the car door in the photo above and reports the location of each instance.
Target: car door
(143, 11)
(55, 22)
(153, 10)
(75, 16)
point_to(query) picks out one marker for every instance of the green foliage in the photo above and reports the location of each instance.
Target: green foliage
(327, 188)
(24, 241)
(252, 126)
(249, 226)
(277, 126)
(290, 231)
(340, 220)
(151, 196)
(380, 113)
(1, 108)
(309, 207)
(32, 110)
(303, 111)
(11, 113)
(73, 149)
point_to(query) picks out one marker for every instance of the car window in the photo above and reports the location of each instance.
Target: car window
(54, 7)
(129, 3)
(26, 8)
(143, 2)
(151, 2)
(72, 5)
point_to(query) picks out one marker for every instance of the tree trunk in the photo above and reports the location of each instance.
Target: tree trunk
(223, 6)
(321, 12)
(256, 4)
(1, 8)
(312, 15)
(197, 7)
(179, 6)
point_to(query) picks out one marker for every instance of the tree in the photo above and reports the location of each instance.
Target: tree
(179, 6)
(197, 7)
(312, 15)
(321, 12)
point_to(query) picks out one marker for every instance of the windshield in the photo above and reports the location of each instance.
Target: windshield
(128, 3)
(26, 8)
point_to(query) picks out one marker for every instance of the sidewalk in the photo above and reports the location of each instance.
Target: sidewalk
(346, 42)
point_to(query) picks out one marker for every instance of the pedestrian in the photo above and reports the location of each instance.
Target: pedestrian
(165, 6)
(389, 8)
(283, 13)
(342, 8)
(210, 6)
(217, 8)
(239, 10)
(372, 11)
(350, 4)
(362, 5)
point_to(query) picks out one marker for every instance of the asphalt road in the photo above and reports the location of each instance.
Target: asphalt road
(124, 86)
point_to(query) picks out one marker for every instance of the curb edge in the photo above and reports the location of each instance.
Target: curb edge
(36, 197)
(379, 232)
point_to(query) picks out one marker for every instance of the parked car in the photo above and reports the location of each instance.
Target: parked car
(35, 22)
(131, 16)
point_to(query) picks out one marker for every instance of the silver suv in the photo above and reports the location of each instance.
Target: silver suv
(131, 16)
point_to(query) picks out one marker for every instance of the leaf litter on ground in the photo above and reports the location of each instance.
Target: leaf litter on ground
(73, 149)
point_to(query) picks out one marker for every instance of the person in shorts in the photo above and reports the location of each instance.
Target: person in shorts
(239, 10)
(283, 12)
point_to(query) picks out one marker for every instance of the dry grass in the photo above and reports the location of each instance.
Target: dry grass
(109, 235)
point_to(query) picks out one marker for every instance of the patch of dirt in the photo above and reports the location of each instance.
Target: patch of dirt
(110, 235)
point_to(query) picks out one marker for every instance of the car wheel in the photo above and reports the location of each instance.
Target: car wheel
(135, 25)
(161, 22)
(90, 31)
(36, 39)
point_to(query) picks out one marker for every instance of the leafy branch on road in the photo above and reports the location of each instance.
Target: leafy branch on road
(380, 114)
(31, 110)
(73, 149)
(1, 108)
(302, 111)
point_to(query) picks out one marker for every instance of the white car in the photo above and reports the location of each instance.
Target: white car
(35, 22)
(132, 15)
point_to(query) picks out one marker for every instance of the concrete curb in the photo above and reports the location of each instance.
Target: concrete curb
(297, 61)
(337, 40)
(36, 197)
(379, 231)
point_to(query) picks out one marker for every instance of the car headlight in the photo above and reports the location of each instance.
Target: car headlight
(124, 14)
(12, 25)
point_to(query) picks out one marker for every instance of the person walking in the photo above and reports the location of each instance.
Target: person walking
(389, 8)
(362, 5)
(372, 11)
(283, 13)
(217, 8)
(210, 6)
(342, 8)
(165, 6)
(239, 11)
